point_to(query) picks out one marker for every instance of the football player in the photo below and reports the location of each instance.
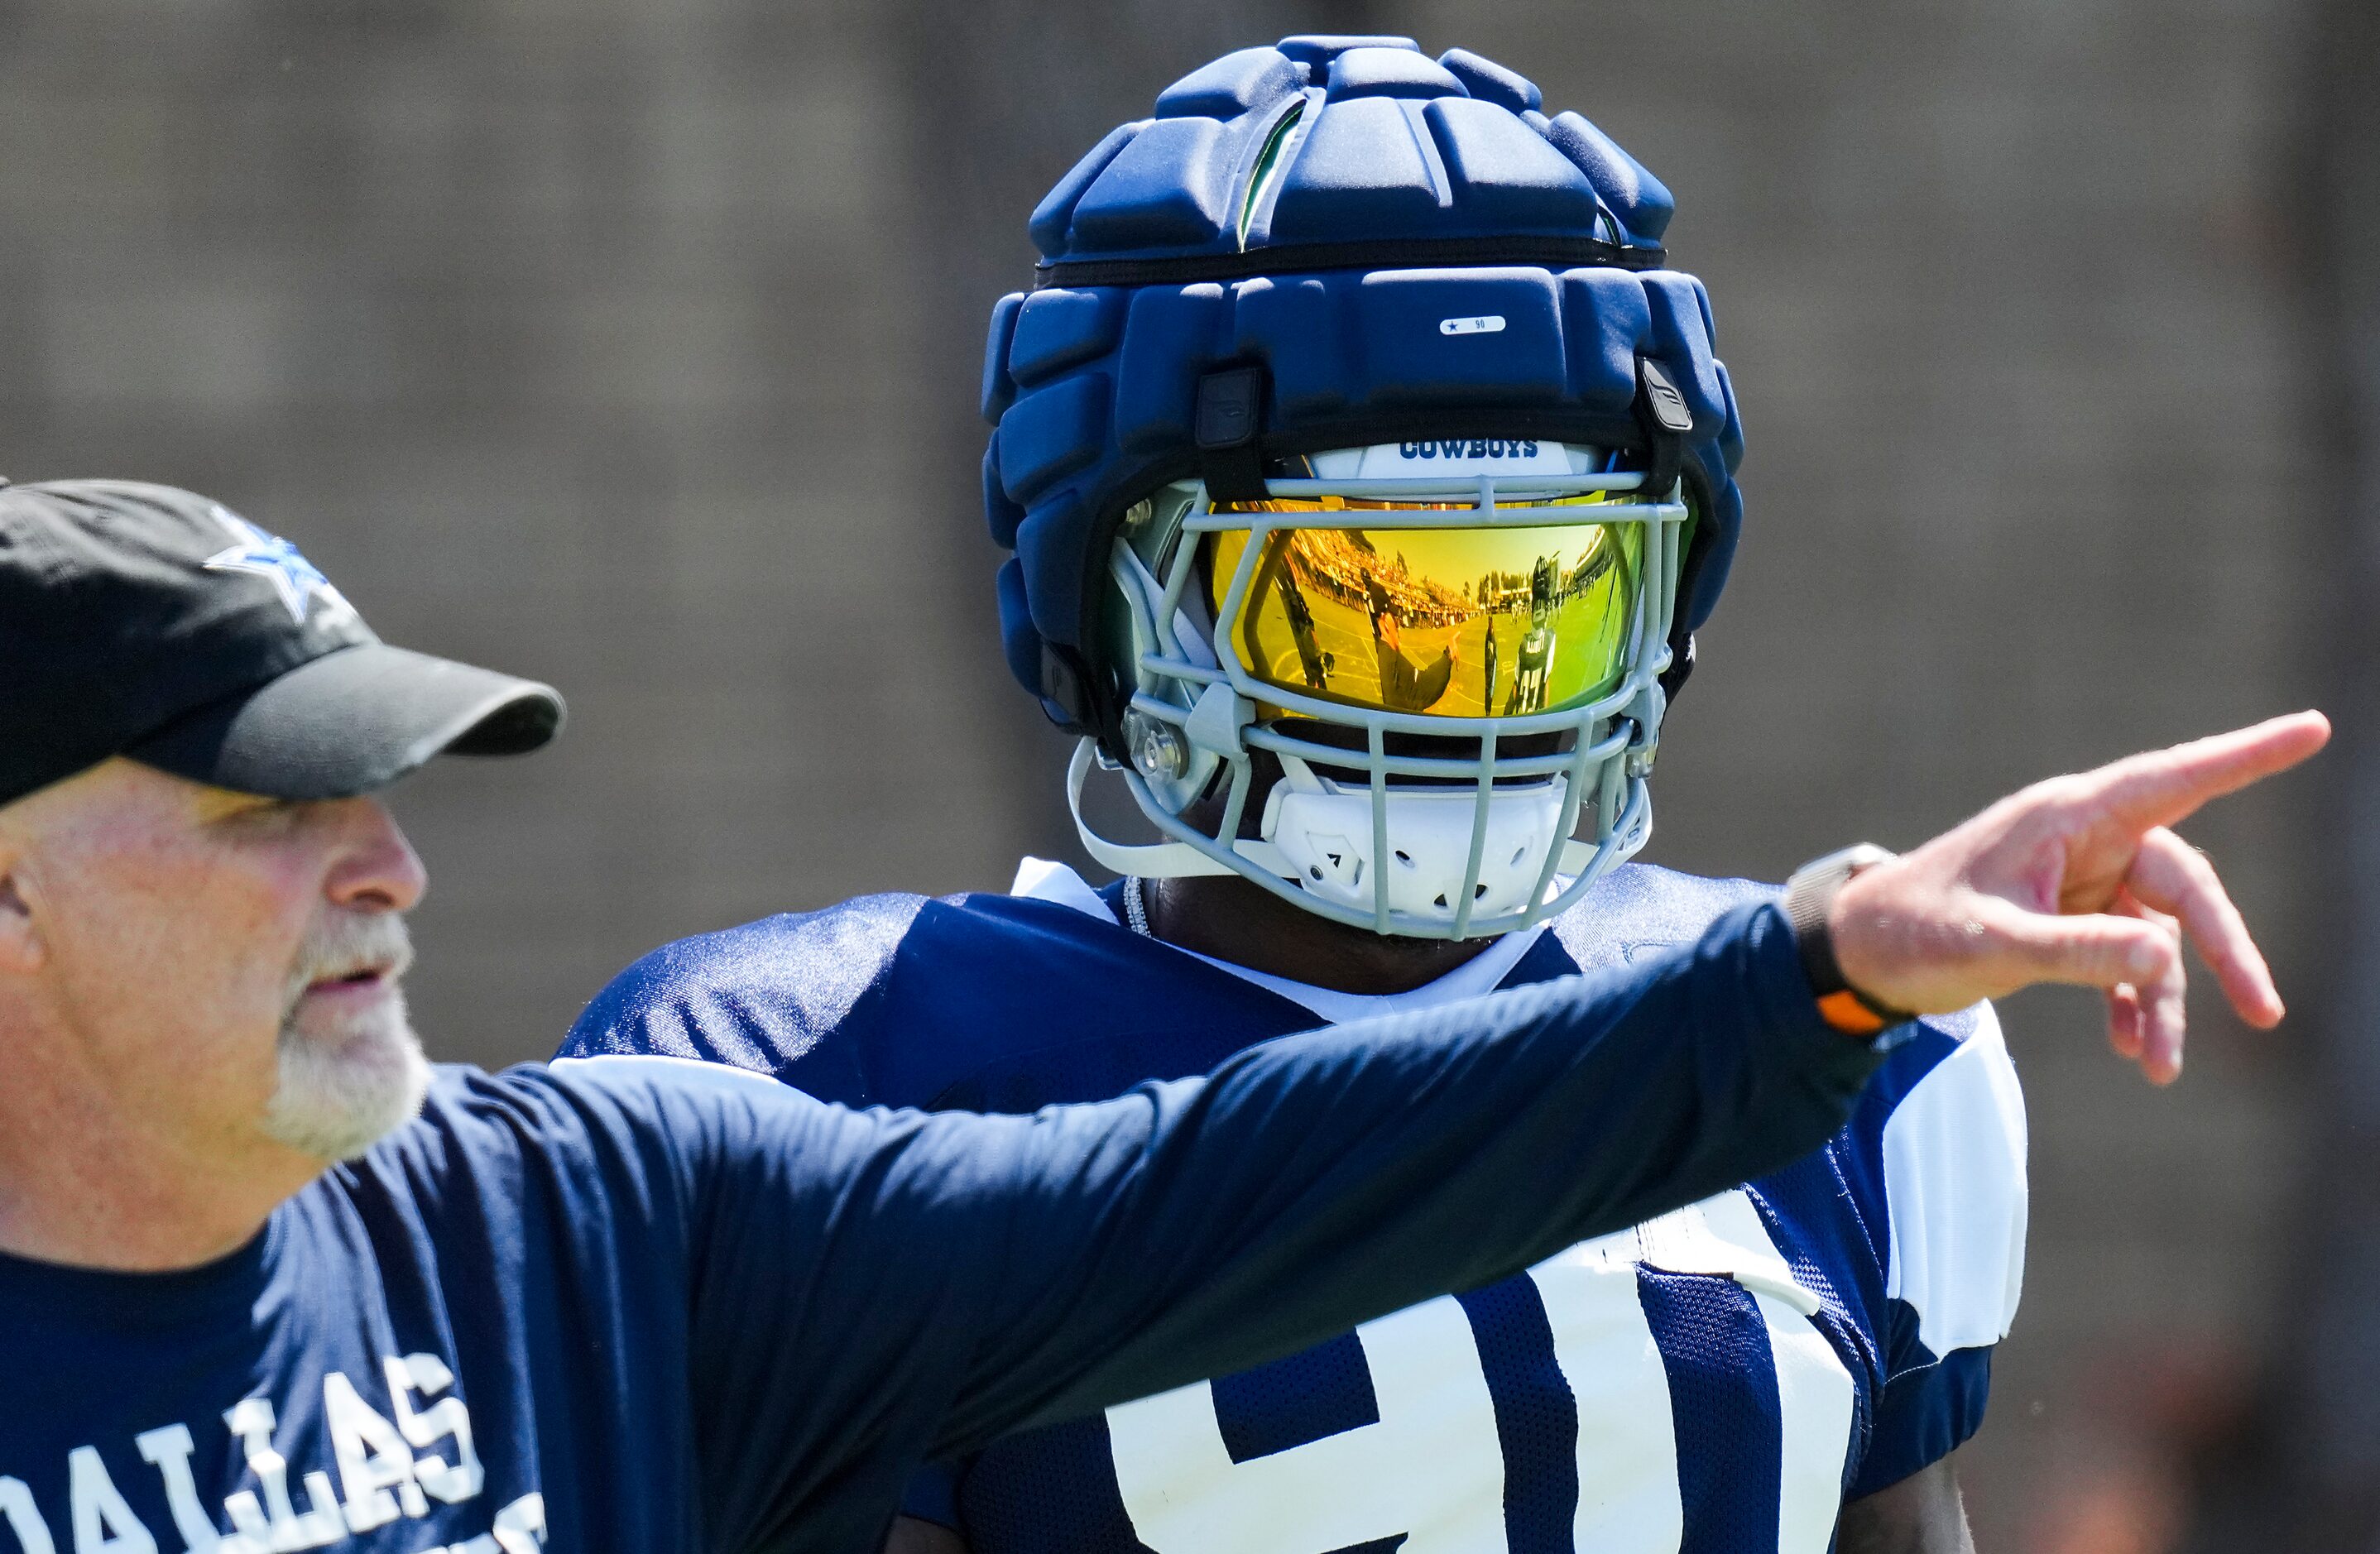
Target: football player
(1341, 360)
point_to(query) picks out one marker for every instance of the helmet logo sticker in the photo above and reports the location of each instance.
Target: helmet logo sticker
(1440, 458)
(1669, 406)
(1486, 324)
(1470, 447)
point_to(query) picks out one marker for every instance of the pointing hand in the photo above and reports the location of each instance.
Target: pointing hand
(2076, 879)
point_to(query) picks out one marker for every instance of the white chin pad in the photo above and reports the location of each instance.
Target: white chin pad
(1326, 838)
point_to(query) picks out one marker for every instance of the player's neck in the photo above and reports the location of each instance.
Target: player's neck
(1237, 920)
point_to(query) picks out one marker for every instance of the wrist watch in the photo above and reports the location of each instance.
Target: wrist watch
(1809, 896)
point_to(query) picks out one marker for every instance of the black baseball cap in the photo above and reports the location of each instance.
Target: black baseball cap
(142, 621)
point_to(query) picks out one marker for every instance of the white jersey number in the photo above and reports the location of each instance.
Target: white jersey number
(1431, 1471)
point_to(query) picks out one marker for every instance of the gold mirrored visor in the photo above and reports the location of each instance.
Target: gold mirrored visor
(1461, 621)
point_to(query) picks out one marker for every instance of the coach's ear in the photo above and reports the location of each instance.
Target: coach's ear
(22, 949)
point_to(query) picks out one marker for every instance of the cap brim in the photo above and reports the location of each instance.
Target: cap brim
(351, 722)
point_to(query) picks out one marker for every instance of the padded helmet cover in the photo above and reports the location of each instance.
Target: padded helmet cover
(1406, 193)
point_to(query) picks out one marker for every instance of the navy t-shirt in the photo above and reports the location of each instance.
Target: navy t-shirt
(641, 1304)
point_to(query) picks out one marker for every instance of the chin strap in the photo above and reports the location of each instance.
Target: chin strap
(1170, 860)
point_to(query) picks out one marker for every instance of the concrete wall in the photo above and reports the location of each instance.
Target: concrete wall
(633, 346)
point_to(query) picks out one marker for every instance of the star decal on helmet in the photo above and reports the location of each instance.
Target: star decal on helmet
(298, 581)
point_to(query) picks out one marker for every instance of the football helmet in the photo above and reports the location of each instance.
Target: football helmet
(1367, 471)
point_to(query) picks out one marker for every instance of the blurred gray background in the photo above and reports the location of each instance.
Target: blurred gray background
(634, 345)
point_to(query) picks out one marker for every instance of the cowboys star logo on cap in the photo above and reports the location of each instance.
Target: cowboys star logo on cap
(297, 580)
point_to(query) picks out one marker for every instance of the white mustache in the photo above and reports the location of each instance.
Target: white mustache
(346, 943)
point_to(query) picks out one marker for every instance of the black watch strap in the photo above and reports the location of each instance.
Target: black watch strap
(1809, 899)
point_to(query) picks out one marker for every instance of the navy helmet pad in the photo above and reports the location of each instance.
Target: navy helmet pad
(1407, 202)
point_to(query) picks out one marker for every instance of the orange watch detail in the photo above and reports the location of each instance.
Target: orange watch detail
(1809, 895)
(1843, 1009)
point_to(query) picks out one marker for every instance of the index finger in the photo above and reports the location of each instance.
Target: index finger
(2159, 787)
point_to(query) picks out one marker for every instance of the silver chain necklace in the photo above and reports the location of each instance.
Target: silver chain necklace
(1136, 910)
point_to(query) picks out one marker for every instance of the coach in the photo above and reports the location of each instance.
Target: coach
(268, 1282)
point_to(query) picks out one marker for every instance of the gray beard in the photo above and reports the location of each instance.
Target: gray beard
(340, 1093)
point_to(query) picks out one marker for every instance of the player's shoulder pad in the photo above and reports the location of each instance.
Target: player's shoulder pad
(1642, 908)
(884, 999)
(1943, 1122)
(761, 997)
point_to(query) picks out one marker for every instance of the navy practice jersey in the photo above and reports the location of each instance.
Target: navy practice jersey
(638, 1304)
(1719, 1378)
